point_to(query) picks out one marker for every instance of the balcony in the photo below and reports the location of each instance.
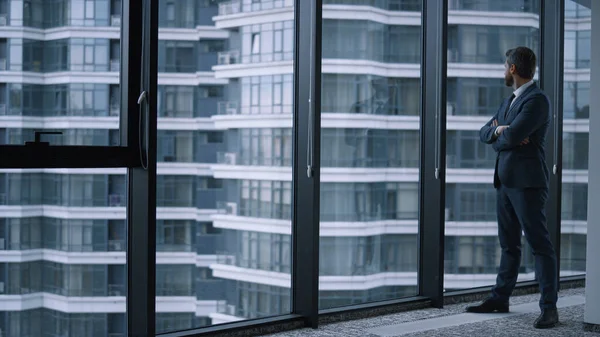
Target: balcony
(117, 200)
(175, 247)
(227, 108)
(116, 245)
(228, 57)
(230, 7)
(116, 290)
(172, 113)
(229, 208)
(115, 110)
(235, 7)
(226, 309)
(115, 20)
(234, 158)
(524, 6)
(228, 158)
(115, 65)
(273, 214)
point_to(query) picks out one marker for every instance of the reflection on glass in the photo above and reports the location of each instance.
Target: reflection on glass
(224, 193)
(576, 114)
(370, 153)
(476, 89)
(67, 230)
(62, 231)
(58, 83)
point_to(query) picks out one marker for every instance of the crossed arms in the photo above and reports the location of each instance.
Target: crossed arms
(533, 115)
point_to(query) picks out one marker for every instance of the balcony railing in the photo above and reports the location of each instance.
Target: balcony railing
(115, 110)
(3, 19)
(167, 288)
(228, 57)
(522, 6)
(227, 108)
(116, 245)
(174, 247)
(115, 20)
(2, 113)
(227, 309)
(228, 158)
(234, 158)
(230, 7)
(172, 113)
(251, 263)
(230, 208)
(393, 5)
(116, 290)
(116, 200)
(235, 6)
(115, 65)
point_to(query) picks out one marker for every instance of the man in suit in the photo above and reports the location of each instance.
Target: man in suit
(518, 134)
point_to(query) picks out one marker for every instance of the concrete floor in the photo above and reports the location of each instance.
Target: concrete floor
(453, 321)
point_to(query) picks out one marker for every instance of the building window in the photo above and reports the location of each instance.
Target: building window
(174, 235)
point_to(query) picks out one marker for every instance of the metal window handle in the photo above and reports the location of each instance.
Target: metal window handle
(38, 136)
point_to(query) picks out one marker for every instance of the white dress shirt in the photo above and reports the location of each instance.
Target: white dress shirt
(521, 90)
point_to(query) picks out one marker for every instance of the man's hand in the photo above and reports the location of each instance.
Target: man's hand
(525, 141)
(500, 128)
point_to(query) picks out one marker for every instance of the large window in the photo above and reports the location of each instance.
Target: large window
(576, 114)
(476, 89)
(370, 158)
(261, 95)
(267, 42)
(373, 41)
(258, 147)
(77, 220)
(224, 191)
(232, 223)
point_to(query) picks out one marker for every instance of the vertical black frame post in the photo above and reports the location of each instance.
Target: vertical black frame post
(432, 201)
(306, 168)
(141, 210)
(551, 66)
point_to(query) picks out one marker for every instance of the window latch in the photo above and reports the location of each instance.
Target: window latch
(38, 137)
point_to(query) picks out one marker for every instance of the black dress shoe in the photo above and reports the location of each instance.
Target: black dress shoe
(489, 306)
(548, 319)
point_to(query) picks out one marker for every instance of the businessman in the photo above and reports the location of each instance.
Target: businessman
(518, 135)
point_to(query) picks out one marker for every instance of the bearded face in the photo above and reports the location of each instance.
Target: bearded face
(508, 79)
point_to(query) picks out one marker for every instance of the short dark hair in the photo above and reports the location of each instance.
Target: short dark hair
(524, 60)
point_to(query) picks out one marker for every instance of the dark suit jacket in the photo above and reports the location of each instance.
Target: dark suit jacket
(521, 166)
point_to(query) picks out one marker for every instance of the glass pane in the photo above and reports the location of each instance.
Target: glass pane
(63, 236)
(370, 153)
(476, 91)
(224, 185)
(58, 83)
(576, 114)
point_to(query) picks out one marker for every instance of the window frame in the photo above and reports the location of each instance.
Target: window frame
(127, 153)
(141, 25)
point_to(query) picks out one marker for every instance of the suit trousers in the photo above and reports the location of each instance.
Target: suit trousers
(524, 209)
